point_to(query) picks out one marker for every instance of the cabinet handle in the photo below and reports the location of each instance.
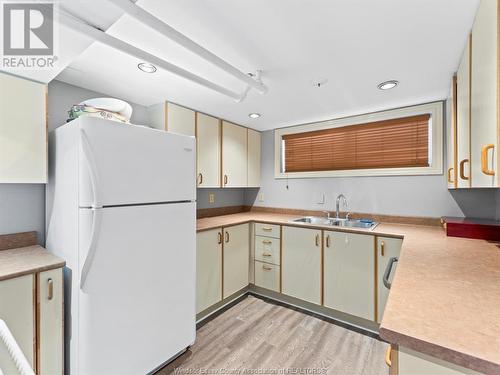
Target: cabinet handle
(484, 160)
(449, 175)
(219, 238)
(387, 272)
(227, 237)
(317, 240)
(267, 229)
(328, 241)
(388, 360)
(382, 248)
(462, 173)
(225, 179)
(266, 254)
(265, 268)
(200, 178)
(50, 285)
(267, 242)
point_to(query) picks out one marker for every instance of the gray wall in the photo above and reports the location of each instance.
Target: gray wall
(391, 195)
(223, 197)
(22, 206)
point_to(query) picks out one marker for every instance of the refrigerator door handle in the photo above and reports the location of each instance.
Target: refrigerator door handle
(92, 167)
(94, 237)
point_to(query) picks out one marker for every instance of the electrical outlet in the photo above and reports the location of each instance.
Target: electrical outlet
(261, 197)
(211, 197)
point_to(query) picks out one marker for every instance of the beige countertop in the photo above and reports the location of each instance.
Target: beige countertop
(445, 296)
(26, 260)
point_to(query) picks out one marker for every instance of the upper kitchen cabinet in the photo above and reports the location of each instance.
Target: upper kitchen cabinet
(485, 96)
(172, 118)
(23, 130)
(234, 155)
(463, 125)
(451, 133)
(208, 151)
(253, 158)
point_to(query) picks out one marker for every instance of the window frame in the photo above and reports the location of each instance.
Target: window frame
(435, 109)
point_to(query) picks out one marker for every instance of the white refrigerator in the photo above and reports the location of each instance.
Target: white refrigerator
(121, 211)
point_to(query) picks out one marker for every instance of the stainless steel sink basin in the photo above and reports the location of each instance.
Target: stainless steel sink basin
(343, 223)
(314, 220)
(354, 224)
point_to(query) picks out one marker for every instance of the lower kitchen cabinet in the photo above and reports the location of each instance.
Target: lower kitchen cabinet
(17, 310)
(403, 361)
(387, 248)
(349, 267)
(267, 276)
(32, 308)
(208, 268)
(301, 263)
(236, 257)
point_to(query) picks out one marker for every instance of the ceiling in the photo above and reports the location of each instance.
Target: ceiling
(354, 44)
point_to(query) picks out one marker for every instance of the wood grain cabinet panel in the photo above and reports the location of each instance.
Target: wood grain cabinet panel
(349, 279)
(484, 96)
(387, 248)
(208, 268)
(234, 155)
(23, 130)
(208, 151)
(17, 309)
(301, 263)
(236, 258)
(50, 321)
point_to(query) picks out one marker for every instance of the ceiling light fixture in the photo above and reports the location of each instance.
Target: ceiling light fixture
(387, 85)
(147, 67)
(254, 115)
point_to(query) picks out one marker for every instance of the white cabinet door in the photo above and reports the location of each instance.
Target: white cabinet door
(410, 362)
(23, 131)
(208, 268)
(484, 96)
(387, 248)
(51, 333)
(18, 311)
(451, 133)
(208, 151)
(301, 263)
(180, 120)
(234, 155)
(267, 276)
(349, 267)
(253, 158)
(463, 119)
(236, 258)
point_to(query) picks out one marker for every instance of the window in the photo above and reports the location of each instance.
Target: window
(397, 142)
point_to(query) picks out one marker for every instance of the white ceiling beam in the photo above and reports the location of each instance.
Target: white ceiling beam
(90, 31)
(166, 30)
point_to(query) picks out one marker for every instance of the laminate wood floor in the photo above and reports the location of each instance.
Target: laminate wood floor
(259, 337)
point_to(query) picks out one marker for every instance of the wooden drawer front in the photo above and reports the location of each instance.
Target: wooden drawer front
(267, 249)
(267, 276)
(268, 230)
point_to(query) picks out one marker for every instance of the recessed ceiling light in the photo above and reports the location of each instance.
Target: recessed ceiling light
(254, 115)
(147, 67)
(387, 85)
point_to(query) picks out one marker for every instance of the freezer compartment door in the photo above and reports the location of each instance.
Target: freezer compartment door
(137, 304)
(129, 164)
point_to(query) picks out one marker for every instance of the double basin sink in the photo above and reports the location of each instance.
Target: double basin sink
(333, 222)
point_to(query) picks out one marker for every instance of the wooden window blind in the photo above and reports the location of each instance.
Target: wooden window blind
(396, 143)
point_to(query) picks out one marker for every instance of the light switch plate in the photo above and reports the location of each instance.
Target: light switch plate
(261, 197)
(211, 197)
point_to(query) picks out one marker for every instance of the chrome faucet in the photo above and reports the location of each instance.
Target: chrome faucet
(344, 204)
